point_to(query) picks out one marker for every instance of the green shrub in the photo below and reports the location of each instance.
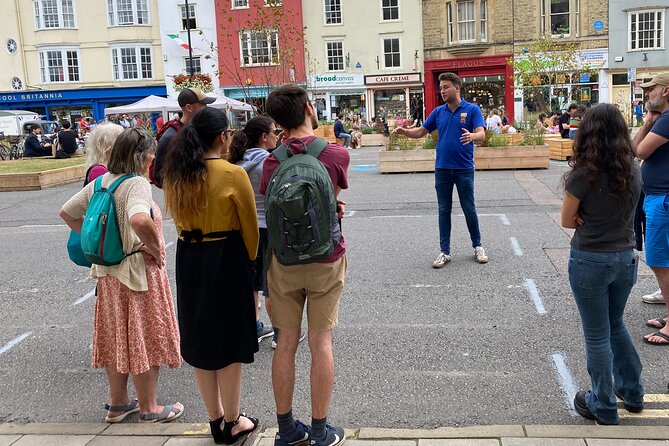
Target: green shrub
(367, 131)
(532, 137)
(401, 142)
(429, 144)
(493, 139)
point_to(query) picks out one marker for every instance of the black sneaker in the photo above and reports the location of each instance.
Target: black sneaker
(582, 409)
(628, 407)
(334, 436)
(265, 332)
(299, 438)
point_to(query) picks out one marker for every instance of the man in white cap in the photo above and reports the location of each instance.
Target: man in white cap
(651, 144)
(191, 100)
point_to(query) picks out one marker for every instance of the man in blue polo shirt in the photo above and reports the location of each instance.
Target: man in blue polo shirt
(460, 125)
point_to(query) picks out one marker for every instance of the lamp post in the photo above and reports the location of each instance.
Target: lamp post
(190, 47)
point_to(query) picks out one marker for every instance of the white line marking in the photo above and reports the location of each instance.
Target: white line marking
(349, 213)
(647, 413)
(502, 217)
(85, 298)
(566, 381)
(169, 244)
(516, 246)
(43, 226)
(531, 288)
(396, 216)
(14, 341)
(421, 285)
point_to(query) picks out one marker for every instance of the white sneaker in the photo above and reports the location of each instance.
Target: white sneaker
(654, 298)
(441, 261)
(479, 254)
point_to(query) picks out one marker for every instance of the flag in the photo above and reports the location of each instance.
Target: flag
(178, 40)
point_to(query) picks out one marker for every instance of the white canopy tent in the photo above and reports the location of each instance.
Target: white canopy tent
(148, 104)
(224, 103)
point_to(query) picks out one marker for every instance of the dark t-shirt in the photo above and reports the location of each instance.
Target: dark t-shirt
(608, 219)
(564, 119)
(338, 128)
(161, 153)
(67, 140)
(334, 157)
(655, 169)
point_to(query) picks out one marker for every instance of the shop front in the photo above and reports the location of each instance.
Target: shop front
(486, 81)
(399, 95)
(335, 93)
(77, 103)
(626, 91)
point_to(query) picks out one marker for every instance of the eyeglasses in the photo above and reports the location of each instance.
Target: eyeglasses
(277, 132)
(229, 132)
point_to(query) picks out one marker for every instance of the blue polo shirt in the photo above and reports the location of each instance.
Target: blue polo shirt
(451, 153)
(654, 177)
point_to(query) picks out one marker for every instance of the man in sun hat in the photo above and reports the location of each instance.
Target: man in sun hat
(191, 100)
(651, 144)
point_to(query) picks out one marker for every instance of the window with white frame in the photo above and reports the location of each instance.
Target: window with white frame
(196, 62)
(484, 20)
(646, 30)
(188, 20)
(333, 12)
(466, 21)
(449, 20)
(335, 55)
(51, 14)
(127, 12)
(390, 9)
(131, 63)
(391, 52)
(273, 2)
(259, 47)
(238, 4)
(560, 17)
(59, 65)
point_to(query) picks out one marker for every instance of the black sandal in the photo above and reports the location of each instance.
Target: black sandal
(216, 431)
(228, 438)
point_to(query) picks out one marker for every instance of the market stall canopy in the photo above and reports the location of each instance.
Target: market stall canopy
(148, 104)
(223, 102)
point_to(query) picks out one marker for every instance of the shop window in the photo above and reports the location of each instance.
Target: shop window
(645, 30)
(51, 14)
(333, 12)
(131, 63)
(391, 53)
(390, 9)
(188, 20)
(335, 55)
(196, 62)
(127, 12)
(619, 79)
(467, 21)
(259, 47)
(560, 17)
(59, 65)
(239, 4)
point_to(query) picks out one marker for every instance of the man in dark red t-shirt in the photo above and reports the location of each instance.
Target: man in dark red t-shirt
(320, 283)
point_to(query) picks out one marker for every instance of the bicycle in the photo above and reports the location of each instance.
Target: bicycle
(5, 150)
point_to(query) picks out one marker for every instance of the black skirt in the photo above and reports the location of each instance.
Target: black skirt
(215, 304)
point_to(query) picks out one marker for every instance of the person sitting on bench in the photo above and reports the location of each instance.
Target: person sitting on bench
(67, 141)
(33, 146)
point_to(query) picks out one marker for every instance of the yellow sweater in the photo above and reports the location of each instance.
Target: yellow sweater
(231, 205)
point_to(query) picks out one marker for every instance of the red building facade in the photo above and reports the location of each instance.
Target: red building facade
(487, 80)
(260, 45)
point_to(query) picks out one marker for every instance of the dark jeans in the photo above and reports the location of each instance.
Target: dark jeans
(601, 283)
(463, 179)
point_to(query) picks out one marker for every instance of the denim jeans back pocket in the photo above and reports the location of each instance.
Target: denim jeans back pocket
(588, 275)
(632, 270)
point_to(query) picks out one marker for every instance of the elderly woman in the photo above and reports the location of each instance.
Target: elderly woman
(213, 206)
(135, 328)
(98, 149)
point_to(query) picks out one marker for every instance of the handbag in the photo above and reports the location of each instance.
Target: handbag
(75, 252)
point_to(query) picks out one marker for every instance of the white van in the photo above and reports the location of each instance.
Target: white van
(12, 122)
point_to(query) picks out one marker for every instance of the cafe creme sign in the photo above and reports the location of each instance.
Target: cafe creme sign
(392, 79)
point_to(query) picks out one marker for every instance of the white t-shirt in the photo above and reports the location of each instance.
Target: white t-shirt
(494, 123)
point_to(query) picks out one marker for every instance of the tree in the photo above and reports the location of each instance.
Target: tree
(548, 63)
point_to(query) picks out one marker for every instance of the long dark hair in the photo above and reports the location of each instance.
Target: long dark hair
(602, 145)
(184, 173)
(249, 137)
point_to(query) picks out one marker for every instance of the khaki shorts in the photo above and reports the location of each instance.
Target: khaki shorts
(320, 285)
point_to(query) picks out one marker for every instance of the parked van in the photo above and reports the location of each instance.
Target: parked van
(12, 122)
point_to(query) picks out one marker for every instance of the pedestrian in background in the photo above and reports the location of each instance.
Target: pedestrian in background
(212, 204)
(602, 189)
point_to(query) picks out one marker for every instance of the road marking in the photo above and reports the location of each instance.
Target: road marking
(647, 413)
(14, 341)
(421, 285)
(43, 226)
(85, 298)
(516, 246)
(169, 244)
(565, 381)
(656, 398)
(396, 216)
(531, 288)
(349, 213)
(502, 217)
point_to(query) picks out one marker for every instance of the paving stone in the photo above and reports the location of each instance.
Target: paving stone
(445, 432)
(186, 441)
(459, 442)
(160, 429)
(609, 442)
(544, 442)
(54, 440)
(52, 428)
(380, 443)
(124, 440)
(594, 431)
(7, 440)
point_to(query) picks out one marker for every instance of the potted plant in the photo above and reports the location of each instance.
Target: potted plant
(201, 81)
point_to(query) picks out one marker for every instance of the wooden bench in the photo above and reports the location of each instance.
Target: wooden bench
(560, 149)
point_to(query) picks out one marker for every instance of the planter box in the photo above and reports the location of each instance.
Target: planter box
(41, 180)
(485, 158)
(560, 149)
(374, 139)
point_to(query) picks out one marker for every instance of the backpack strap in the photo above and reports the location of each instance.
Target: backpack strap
(281, 153)
(118, 182)
(314, 148)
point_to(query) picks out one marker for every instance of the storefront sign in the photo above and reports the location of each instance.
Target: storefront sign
(42, 96)
(392, 79)
(329, 80)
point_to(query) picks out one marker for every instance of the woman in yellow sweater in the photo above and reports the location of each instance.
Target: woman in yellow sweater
(213, 206)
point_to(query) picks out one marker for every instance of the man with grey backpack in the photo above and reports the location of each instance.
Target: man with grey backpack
(307, 259)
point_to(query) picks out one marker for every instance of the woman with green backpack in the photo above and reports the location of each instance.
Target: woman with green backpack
(135, 328)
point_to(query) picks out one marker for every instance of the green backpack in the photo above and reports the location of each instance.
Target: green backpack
(101, 238)
(301, 207)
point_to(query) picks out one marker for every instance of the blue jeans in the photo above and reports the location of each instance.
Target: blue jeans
(346, 137)
(601, 283)
(463, 179)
